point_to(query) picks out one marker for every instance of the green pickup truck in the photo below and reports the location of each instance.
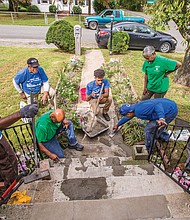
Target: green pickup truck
(105, 17)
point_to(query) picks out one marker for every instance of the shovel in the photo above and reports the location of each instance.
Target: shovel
(94, 115)
(37, 173)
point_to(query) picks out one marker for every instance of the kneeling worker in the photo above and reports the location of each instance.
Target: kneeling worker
(48, 126)
(93, 92)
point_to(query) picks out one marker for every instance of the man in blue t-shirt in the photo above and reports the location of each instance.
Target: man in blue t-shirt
(159, 112)
(93, 92)
(33, 78)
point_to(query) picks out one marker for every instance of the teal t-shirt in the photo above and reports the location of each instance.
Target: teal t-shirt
(156, 70)
(45, 128)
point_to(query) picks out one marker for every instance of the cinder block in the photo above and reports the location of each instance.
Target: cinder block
(44, 165)
(140, 152)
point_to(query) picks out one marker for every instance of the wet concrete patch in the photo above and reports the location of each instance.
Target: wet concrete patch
(66, 168)
(149, 168)
(118, 170)
(105, 140)
(44, 191)
(85, 188)
(113, 161)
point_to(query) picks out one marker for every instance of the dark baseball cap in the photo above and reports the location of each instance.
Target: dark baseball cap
(33, 62)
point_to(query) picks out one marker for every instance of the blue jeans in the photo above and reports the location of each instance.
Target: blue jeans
(161, 134)
(53, 145)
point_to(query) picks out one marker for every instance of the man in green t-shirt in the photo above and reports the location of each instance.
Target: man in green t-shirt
(156, 69)
(48, 126)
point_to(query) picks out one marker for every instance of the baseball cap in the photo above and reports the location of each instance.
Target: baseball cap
(148, 51)
(126, 108)
(33, 62)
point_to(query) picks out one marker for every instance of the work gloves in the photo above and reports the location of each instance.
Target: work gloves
(29, 111)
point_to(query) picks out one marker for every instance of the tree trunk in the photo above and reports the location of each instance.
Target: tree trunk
(89, 7)
(183, 74)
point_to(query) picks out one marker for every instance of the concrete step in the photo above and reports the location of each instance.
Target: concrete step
(146, 207)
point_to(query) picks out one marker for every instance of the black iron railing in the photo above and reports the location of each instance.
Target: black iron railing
(172, 157)
(20, 139)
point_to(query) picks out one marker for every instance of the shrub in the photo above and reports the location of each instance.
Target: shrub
(52, 8)
(120, 42)
(33, 8)
(77, 10)
(98, 7)
(61, 35)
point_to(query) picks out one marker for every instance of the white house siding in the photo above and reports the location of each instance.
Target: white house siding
(43, 5)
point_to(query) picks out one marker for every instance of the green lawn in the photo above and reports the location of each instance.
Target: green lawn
(37, 19)
(133, 61)
(13, 59)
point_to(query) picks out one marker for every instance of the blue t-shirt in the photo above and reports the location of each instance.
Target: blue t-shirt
(31, 81)
(92, 87)
(153, 109)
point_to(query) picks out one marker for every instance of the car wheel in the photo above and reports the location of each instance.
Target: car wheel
(93, 25)
(165, 47)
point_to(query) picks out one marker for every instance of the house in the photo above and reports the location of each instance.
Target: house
(63, 5)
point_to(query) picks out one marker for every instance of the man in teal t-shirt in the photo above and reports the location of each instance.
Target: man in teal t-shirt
(156, 69)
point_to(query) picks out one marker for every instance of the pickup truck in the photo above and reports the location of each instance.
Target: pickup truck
(106, 16)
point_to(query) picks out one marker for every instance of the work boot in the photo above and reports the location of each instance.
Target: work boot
(77, 146)
(106, 116)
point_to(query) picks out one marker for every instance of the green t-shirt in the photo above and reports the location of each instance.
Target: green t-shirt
(45, 128)
(156, 70)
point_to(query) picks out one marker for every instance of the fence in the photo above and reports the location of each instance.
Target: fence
(172, 157)
(35, 18)
(20, 138)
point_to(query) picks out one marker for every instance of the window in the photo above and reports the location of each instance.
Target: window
(145, 30)
(108, 13)
(130, 28)
(117, 14)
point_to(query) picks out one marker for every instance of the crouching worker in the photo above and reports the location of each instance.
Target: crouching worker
(48, 126)
(8, 160)
(93, 92)
(159, 112)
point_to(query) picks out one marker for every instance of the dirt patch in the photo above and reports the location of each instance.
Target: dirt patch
(85, 188)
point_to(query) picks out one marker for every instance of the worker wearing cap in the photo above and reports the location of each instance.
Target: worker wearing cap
(156, 69)
(160, 111)
(33, 78)
(48, 126)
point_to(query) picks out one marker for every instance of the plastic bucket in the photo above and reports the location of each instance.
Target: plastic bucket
(83, 93)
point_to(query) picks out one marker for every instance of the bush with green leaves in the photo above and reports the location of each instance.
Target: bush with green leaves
(98, 7)
(77, 10)
(120, 42)
(52, 8)
(61, 34)
(33, 8)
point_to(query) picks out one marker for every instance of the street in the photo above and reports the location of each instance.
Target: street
(35, 36)
(11, 34)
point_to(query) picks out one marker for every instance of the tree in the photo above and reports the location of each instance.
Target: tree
(178, 11)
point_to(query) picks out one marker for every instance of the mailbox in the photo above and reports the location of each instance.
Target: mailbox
(77, 35)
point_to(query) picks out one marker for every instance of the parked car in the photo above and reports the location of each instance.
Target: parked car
(105, 17)
(141, 35)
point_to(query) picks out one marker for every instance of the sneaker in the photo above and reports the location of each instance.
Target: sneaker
(106, 116)
(77, 146)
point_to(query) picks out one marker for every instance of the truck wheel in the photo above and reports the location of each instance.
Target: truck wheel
(93, 25)
(165, 47)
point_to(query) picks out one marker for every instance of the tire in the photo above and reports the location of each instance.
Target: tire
(165, 47)
(93, 25)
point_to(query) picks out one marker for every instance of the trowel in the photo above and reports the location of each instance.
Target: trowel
(112, 134)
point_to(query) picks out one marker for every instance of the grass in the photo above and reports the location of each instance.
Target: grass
(13, 59)
(36, 19)
(133, 61)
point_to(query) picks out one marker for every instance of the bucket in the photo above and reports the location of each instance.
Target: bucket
(83, 93)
